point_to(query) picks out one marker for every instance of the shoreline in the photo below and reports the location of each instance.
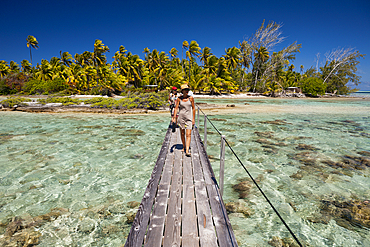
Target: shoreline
(87, 109)
(209, 108)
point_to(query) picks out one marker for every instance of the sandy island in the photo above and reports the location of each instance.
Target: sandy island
(208, 108)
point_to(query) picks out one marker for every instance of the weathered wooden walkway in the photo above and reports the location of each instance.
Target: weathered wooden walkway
(181, 205)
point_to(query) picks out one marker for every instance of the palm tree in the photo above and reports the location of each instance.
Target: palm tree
(66, 58)
(4, 69)
(32, 42)
(45, 71)
(173, 53)
(14, 67)
(98, 55)
(185, 45)
(146, 51)
(26, 66)
(194, 50)
(206, 53)
(232, 58)
(245, 57)
(261, 56)
(175, 62)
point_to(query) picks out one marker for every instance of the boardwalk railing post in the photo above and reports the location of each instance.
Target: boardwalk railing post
(198, 119)
(222, 165)
(205, 133)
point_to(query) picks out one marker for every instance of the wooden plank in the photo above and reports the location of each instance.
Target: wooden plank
(225, 234)
(173, 219)
(206, 167)
(197, 170)
(139, 226)
(167, 170)
(189, 218)
(154, 235)
(206, 228)
(207, 232)
(223, 227)
(187, 170)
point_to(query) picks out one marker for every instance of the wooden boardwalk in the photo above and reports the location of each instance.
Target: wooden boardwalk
(181, 205)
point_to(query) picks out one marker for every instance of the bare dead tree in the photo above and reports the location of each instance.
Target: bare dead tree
(268, 36)
(339, 57)
(279, 58)
(317, 61)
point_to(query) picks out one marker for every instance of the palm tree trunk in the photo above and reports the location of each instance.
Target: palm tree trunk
(30, 54)
(189, 69)
(255, 82)
(182, 60)
(243, 77)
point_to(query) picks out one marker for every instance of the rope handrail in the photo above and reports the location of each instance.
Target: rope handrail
(254, 181)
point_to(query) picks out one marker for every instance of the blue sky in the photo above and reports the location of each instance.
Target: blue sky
(73, 26)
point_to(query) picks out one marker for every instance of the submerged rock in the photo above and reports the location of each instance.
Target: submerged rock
(351, 122)
(285, 242)
(264, 141)
(266, 134)
(137, 156)
(304, 157)
(348, 214)
(319, 218)
(238, 207)
(276, 122)
(219, 119)
(269, 149)
(298, 175)
(21, 231)
(133, 204)
(130, 217)
(364, 153)
(52, 215)
(243, 188)
(276, 242)
(133, 132)
(305, 147)
(359, 163)
(349, 163)
(25, 238)
(281, 144)
(110, 229)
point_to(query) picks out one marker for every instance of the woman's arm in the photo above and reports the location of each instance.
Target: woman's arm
(176, 109)
(193, 106)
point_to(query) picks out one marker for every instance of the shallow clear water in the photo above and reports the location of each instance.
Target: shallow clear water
(93, 165)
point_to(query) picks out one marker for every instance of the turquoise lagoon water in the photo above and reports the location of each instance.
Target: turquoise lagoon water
(93, 165)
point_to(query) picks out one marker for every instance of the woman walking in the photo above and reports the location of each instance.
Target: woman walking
(186, 119)
(172, 99)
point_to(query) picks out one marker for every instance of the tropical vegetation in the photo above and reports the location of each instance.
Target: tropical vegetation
(136, 99)
(253, 65)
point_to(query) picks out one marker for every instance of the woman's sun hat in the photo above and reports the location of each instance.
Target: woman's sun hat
(184, 86)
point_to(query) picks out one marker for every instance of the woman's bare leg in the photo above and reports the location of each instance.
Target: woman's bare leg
(182, 134)
(188, 139)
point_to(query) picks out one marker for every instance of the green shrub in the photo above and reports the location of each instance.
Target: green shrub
(63, 100)
(5, 89)
(146, 101)
(313, 86)
(12, 101)
(35, 86)
(94, 100)
(103, 103)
